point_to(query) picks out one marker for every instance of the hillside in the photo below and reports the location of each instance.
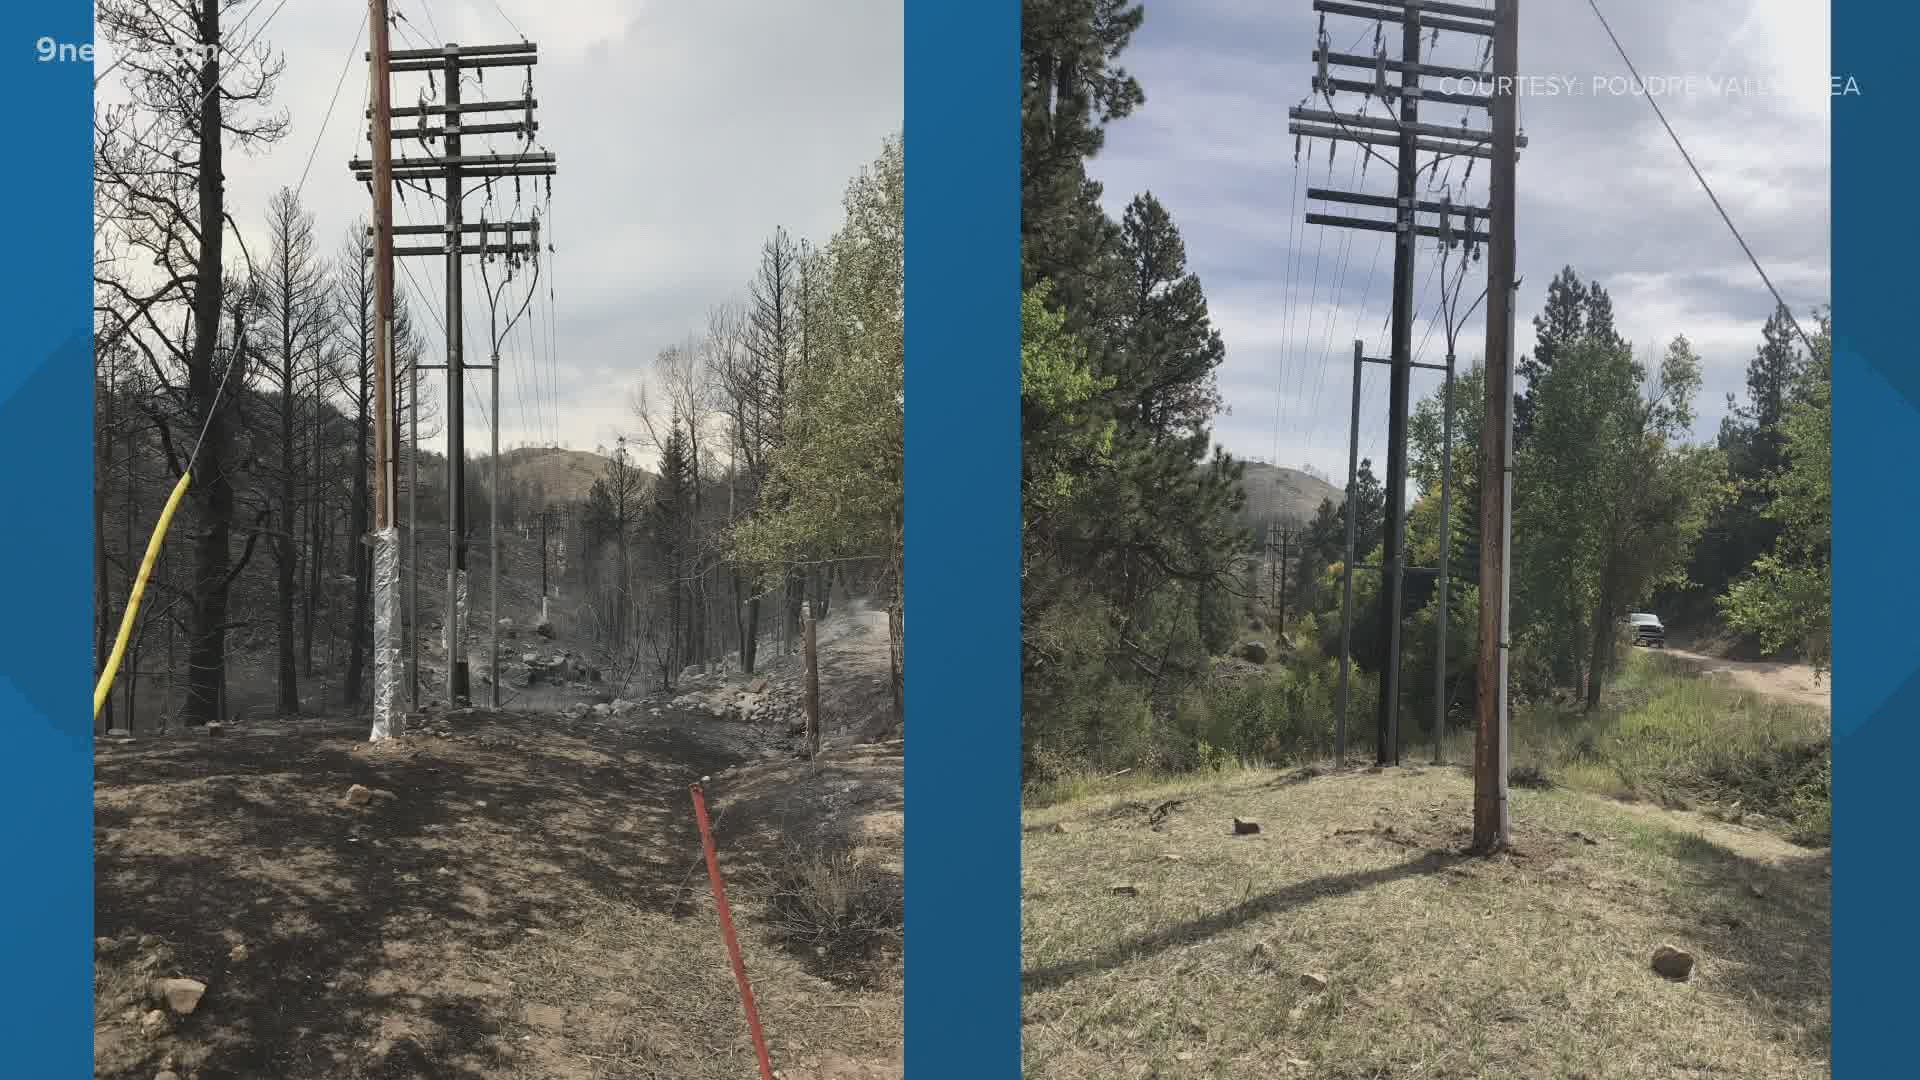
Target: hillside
(564, 476)
(1275, 492)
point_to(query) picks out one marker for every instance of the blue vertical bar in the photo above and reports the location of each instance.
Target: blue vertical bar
(46, 444)
(1876, 515)
(963, 539)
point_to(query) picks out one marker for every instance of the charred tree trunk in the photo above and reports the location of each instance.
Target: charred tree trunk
(207, 652)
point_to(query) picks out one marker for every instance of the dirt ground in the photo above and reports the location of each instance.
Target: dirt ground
(1351, 939)
(1771, 678)
(523, 897)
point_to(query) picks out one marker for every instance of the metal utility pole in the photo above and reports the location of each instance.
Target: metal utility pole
(1412, 138)
(456, 170)
(1490, 822)
(1446, 549)
(386, 475)
(1346, 566)
(1286, 553)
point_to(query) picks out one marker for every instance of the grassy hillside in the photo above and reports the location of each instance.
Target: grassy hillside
(1275, 492)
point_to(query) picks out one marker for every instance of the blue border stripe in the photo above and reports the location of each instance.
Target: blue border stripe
(963, 539)
(1876, 515)
(46, 439)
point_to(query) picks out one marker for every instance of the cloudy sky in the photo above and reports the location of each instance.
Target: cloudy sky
(685, 133)
(1601, 188)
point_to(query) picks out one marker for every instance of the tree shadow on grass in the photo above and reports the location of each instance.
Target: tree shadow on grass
(1765, 930)
(1280, 900)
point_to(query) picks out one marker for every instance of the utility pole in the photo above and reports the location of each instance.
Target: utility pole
(456, 170)
(1286, 553)
(1393, 566)
(1412, 138)
(1490, 821)
(386, 555)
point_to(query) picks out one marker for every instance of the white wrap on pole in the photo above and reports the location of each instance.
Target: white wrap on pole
(386, 633)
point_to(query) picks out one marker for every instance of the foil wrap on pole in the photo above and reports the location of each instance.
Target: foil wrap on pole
(386, 633)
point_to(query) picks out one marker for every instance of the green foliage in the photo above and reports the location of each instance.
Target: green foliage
(1669, 735)
(1786, 599)
(1132, 561)
(835, 485)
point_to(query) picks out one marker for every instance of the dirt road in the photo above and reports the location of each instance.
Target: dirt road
(1770, 678)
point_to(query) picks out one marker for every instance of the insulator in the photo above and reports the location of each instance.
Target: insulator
(1380, 74)
(1296, 149)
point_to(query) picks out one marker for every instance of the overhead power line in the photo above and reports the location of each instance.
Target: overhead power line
(1704, 186)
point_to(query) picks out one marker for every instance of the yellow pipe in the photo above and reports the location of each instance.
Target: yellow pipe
(139, 589)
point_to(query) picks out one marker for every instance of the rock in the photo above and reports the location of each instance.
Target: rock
(797, 727)
(153, 1023)
(216, 729)
(530, 659)
(506, 623)
(544, 629)
(1124, 890)
(623, 707)
(1252, 651)
(238, 954)
(167, 1074)
(1312, 982)
(119, 733)
(1060, 827)
(758, 686)
(358, 795)
(1672, 963)
(1758, 890)
(1245, 828)
(603, 710)
(181, 995)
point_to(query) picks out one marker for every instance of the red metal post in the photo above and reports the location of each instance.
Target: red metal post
(726, 931)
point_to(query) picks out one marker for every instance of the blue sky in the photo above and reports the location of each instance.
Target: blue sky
(1600, 188)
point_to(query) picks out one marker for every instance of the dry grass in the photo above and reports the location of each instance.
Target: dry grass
(1529, 965)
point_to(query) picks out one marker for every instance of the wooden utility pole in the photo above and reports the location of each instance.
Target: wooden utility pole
(386, 561)
(1490, 823)
(1393, 553)
(456, 170)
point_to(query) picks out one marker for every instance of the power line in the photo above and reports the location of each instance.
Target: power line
(1704, 186)
(335, 100)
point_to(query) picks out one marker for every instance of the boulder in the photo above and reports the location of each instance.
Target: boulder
(359, 795)
(1252, 651)
(1672, 963)
(181, 995)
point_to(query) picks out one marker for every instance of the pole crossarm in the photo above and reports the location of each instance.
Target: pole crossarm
(1409, 11)
(1451, 147)
(1443, 97)
(1431, 232)
(519, 105)
(1388, 124)
(1388, 202)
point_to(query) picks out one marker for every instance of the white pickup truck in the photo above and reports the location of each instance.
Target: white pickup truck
(1647, 630)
